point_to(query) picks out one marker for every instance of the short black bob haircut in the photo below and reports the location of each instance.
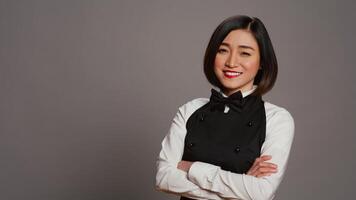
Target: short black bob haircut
(265, 77)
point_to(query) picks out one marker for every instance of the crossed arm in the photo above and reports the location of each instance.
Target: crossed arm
(207, 181)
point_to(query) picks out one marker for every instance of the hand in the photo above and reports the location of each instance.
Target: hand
(262, 168)
(184, 165)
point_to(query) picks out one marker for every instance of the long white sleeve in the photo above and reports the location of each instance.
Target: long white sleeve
(169, 178)
(279, 137)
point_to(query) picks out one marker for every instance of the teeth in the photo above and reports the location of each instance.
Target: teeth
(233, 73)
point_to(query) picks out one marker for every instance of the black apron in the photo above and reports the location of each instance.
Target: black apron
(231, 140)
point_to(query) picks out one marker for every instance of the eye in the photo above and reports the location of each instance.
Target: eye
(222, 51)
(245, 54)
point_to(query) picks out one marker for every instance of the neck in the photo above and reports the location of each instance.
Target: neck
(230, 92)
(244, 92)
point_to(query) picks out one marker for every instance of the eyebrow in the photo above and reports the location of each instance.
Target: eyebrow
(240, 46)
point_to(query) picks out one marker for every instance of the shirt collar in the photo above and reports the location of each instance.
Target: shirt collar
(244, 94)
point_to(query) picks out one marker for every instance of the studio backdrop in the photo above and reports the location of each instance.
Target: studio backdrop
(90, 88)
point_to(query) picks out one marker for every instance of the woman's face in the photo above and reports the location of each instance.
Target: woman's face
(237, 61)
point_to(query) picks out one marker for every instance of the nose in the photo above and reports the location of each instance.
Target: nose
(232, 61)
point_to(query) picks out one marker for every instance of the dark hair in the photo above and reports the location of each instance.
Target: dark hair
(265, 77)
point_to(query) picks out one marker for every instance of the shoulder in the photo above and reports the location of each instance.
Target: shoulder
(275, 111)
(278, 120)
(189, 107)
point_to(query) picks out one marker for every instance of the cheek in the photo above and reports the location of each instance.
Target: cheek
(253, 65)
(219, 62)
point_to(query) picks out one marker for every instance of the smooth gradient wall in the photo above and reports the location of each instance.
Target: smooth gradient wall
(89, 89)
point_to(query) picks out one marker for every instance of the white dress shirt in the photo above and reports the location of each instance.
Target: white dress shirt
(207, 181)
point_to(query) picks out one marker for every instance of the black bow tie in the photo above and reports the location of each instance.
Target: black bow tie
(235, 101)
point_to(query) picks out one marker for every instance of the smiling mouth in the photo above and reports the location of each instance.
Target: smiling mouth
(232, 74)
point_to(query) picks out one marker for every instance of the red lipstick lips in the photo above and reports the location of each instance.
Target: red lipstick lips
(231, 74)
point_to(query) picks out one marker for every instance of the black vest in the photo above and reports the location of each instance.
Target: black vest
(231, 140)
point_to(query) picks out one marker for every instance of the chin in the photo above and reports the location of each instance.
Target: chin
(230, 86)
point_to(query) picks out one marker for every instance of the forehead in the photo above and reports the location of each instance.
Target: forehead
(241, 37)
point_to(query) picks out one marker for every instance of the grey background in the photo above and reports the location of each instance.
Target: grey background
(89, 89)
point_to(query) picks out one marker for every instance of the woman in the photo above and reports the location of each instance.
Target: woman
(232, 145)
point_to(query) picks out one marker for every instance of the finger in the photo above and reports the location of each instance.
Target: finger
(254, 167)
(267, 164)
(258, 170)
(253, 173)
(258, 161)
(265, 157)
(267, 169)
(263, 167)
(263, 174)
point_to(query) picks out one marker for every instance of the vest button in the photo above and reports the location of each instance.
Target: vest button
(191, 144)
(201, 118)
(249, 123)
(237, 149)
